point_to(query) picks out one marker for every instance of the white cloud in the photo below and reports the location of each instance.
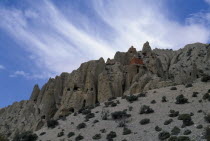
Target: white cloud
(56, 44)
(2, 67)
(208, 1)
(19, 73)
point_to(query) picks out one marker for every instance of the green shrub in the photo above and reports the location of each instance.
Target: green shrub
(89, 116)
(144, 121)
(130, 108)
(86, 111)
(25, 136)
(158, 129)
(164, 99)
(180, 138)
(79, 137)
(173, 113)
(146, 110)
(70, 134)
(131, 98)
(188, 85)
(60, 134)
(119, 115)
(126, 131)
(181, 99)
(206, 96)
(103, 130)
(205, 78)
(186, 119)
(207, 118)
(167, 122)
(111, 135)
(52, 123)
(175, 131)
(164, 135)
(173, 88)
(3, 138)
(97, 136)
(195, 94)
(42, 133)
(199, 126)
(113, 104)
(81, 125)
(187, 132)
(207, 133)
(153, 102)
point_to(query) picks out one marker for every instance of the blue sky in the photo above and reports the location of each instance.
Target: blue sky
(40, 39)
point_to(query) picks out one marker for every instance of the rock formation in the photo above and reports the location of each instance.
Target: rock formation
(96, 81)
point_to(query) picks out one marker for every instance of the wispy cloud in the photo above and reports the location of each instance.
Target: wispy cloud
(56, 43)
(19, 73)
(2, 67)
(208, 1)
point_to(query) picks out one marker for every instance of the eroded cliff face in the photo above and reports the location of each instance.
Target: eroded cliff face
(96, 81)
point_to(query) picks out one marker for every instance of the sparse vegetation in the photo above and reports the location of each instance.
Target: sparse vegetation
(205, 78)
(167, 122)
(79, 137)
(188, 85)
(153, 102)
(144, 121)
(207, 118)
(158, 129)
(181, 99)
(186, 118)
(199, 126)
(60, 134)
(146, 110)
(42, 133)
(81, 125)
(207, 133)
(195, 94)
(173, 88)
(25, 136)
(180, 138)
(164, 99)
(173, 113)
(175, 131)
(52, 123)
(164, 135)
(126, 131)
(70, 134)
(187, 132)
(96, 137)
(119, 115)
(131, 98)
(89, 116)
(206, 96)
(111, 135)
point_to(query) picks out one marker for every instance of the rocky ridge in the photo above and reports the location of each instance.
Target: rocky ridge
(96, 81)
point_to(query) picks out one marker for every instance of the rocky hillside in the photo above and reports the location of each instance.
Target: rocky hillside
(96, 81)
(171, 113)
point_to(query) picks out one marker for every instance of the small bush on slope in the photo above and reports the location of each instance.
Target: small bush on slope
(126, 131)
(181, 99)
(173, 113)
(25, 136)
(186, 119)
(79, 137)
(131, 98)
(146, 110)
(104, 114)
(52, 123)
(111, 135)
(205, 78)
(207, 118)
(144, 121)
(96, 137)
(207, 133)
(70, 134)
(120, 115)
(163, 135)
(81, 125)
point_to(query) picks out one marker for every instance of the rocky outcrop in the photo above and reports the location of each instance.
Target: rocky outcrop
(96, 81)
